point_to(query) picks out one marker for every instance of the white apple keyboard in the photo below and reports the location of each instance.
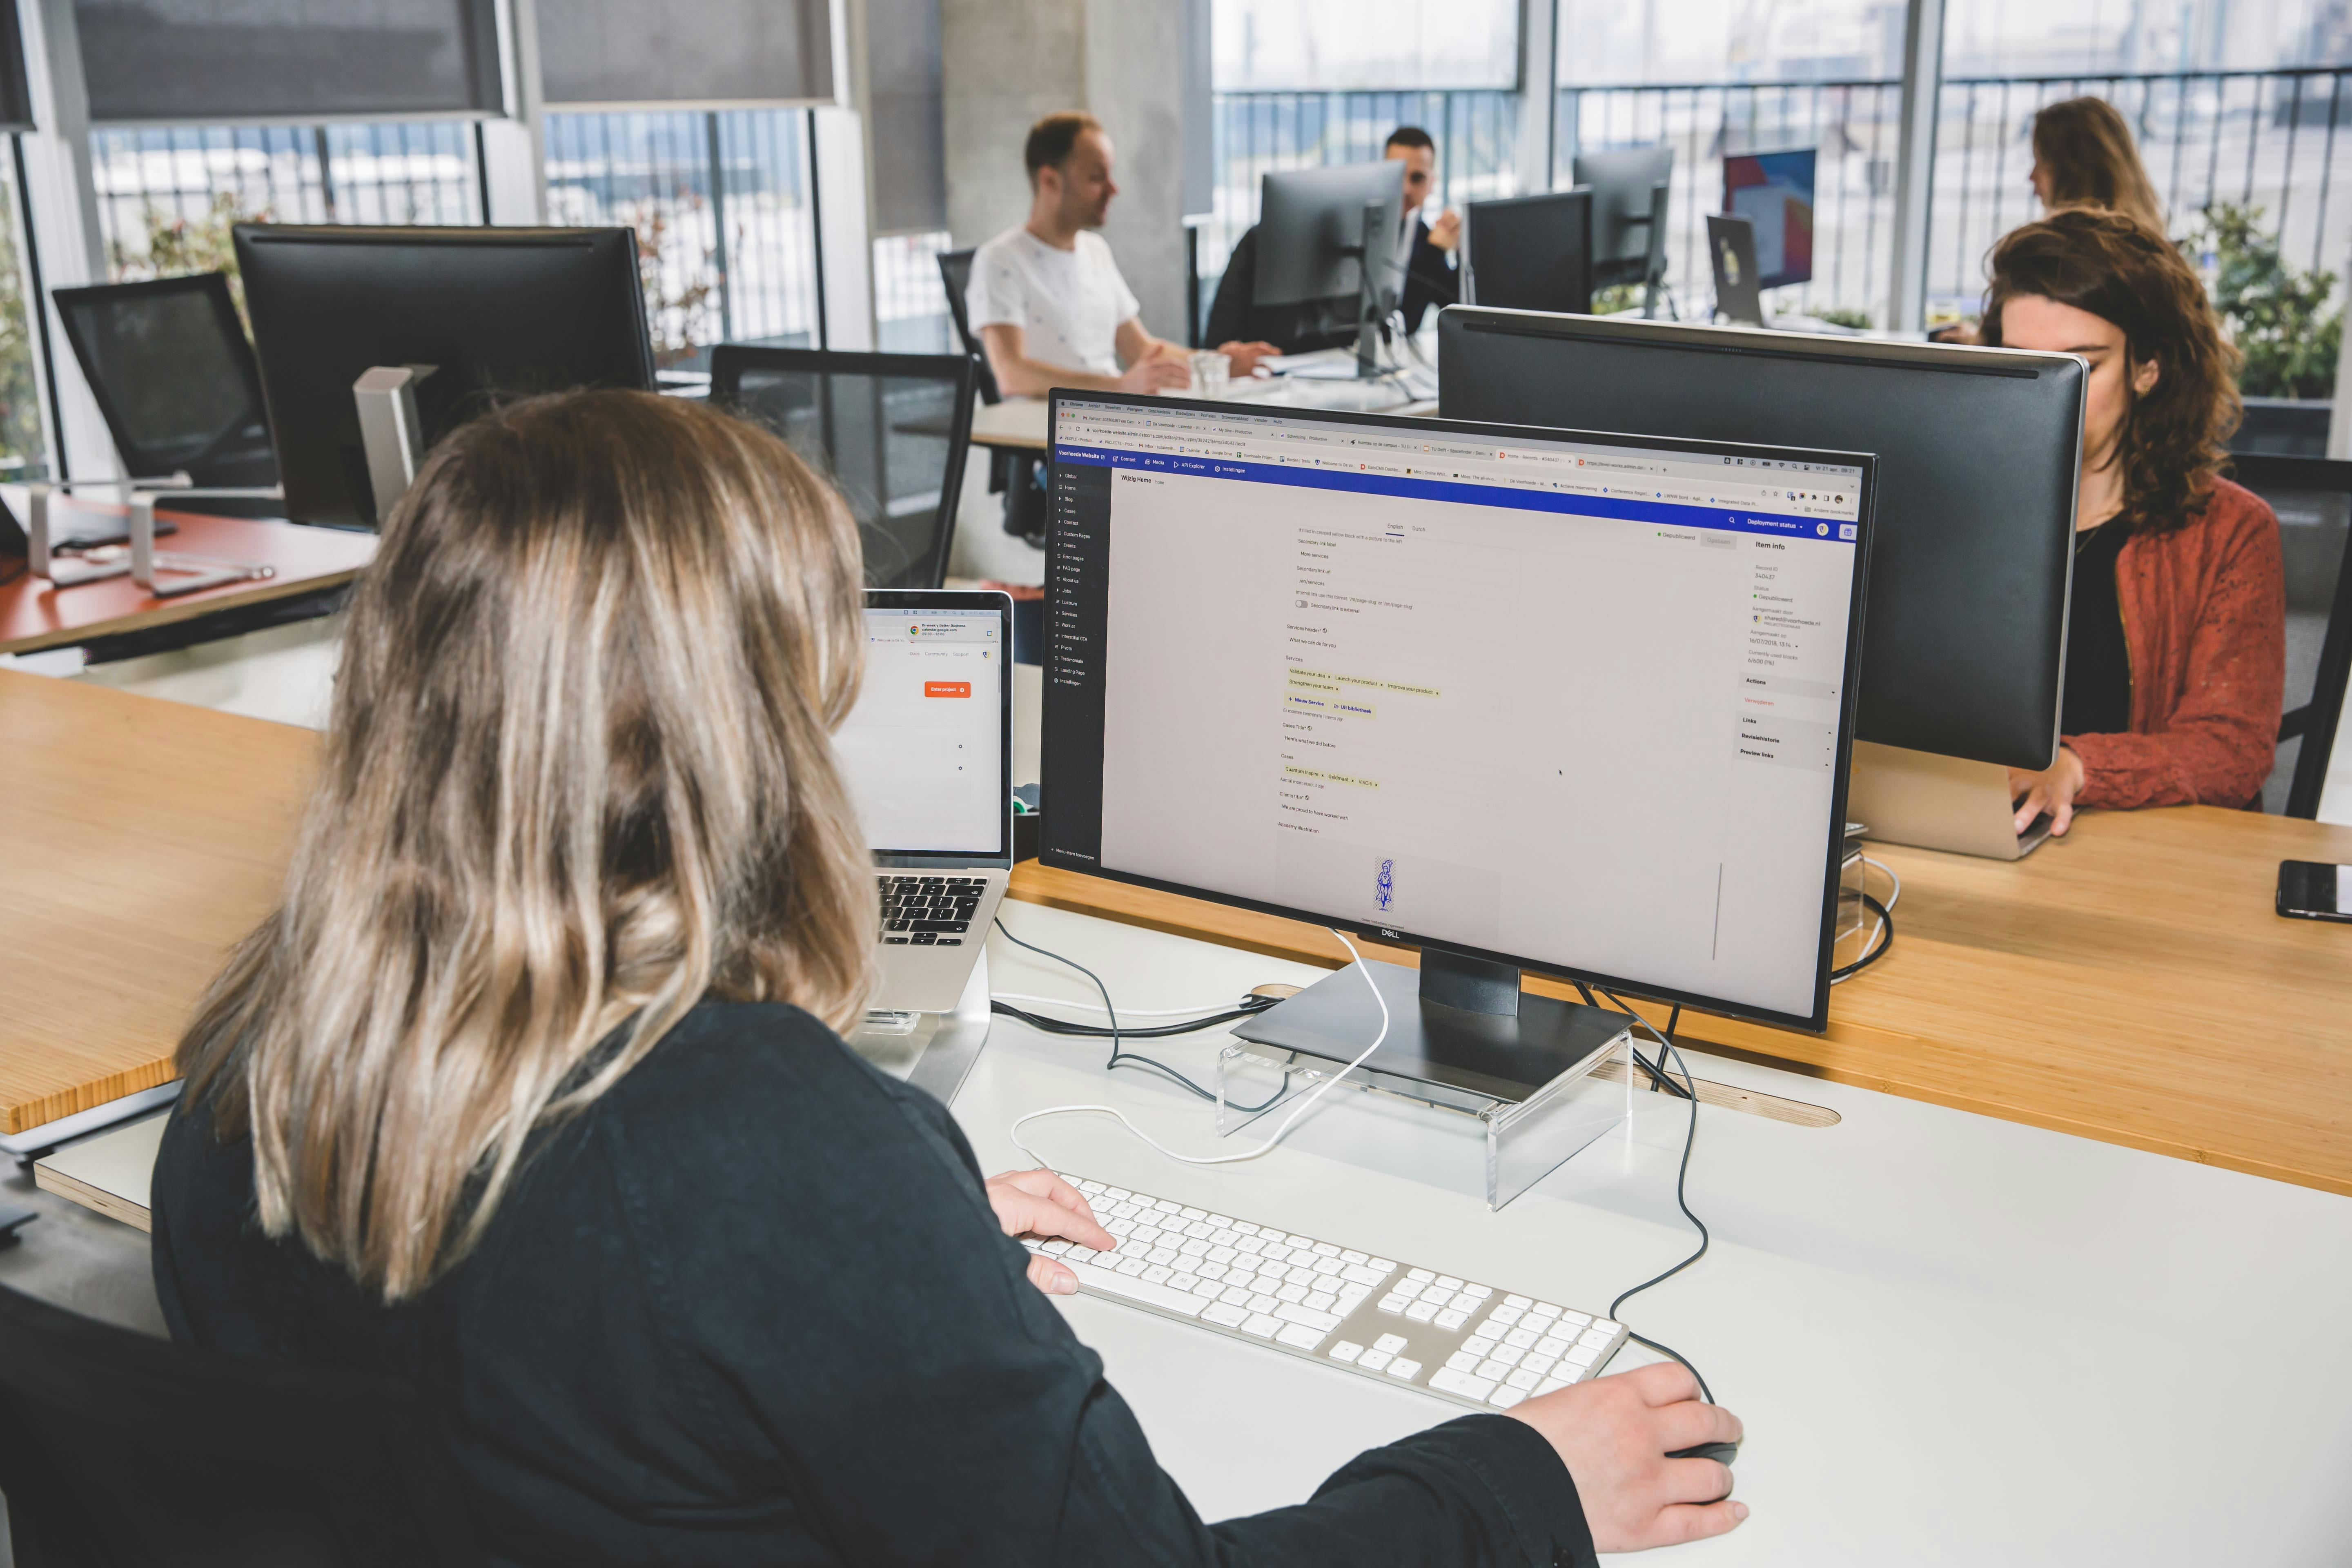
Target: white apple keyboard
(1367, 1315)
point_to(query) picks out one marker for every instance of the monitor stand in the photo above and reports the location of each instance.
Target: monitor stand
(1458, 1021)
(1934, 802)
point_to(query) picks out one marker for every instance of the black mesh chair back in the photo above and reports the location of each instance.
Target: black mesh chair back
(118, 1450)
(2313, 498)
(174, 375)
(891, 430)
(955, 274)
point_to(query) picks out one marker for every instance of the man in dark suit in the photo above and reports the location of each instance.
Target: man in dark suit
(1425, 250)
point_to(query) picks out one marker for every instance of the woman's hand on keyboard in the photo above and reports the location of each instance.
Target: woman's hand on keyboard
(1039, 1203)
(1614, 1433)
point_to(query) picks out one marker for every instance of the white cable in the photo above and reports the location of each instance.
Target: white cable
(1211, 1010)
(1297, 1111)
(1897, 882)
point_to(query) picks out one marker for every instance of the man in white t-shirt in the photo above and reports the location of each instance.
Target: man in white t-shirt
(1048, 300)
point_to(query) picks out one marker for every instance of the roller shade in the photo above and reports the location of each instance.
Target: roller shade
(317, 59)
(910, 182)
(709, 51)
(16, 98)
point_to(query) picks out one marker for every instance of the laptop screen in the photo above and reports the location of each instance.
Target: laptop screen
(923, 752)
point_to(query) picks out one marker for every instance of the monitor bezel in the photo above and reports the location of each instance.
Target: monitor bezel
(1050, 853)
(1001, 604)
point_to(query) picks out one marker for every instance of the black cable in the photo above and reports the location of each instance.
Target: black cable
(1249, 1006)
(1689, 1090)
(1658, 1077)
(1875, 953)
(1120, 1057)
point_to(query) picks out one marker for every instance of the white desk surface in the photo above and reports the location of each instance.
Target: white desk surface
(1020, 421)
(1953, 1340)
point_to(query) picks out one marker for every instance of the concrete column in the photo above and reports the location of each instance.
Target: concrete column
(1135, 86)
(1007, 63)
(1004, 65)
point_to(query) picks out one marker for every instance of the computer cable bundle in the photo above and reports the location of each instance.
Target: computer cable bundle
(1304, 1100)
(1688, 1089)
(1882, 926)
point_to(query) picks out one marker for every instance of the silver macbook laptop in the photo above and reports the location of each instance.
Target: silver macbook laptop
(927, 756)
(1938, 803)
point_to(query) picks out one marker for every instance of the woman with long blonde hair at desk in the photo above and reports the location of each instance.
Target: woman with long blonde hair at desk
(528, 1095)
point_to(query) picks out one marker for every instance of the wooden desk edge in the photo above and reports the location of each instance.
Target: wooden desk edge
(169, 612)
(1836, 1059)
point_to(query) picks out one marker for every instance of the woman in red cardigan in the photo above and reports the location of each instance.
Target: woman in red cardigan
(2176, 647)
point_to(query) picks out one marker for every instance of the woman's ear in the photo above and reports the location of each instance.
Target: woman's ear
(2144, 376)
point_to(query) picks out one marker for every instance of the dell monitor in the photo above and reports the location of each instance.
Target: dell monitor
(1529, 252)
(1977, 451)
(493, 312)
(1526, 700)
(1333, 234)
(1629, 208)
(1774, 192)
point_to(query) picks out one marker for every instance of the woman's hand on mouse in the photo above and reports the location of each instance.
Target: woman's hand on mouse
(1614, 1433)
(1039, 1203)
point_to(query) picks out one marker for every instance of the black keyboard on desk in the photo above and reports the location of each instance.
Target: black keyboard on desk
(923, 910)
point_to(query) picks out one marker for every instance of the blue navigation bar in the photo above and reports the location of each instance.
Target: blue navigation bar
(1678, 514)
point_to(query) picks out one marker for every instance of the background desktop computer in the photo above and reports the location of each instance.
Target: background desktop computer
(1774, 192)
(1977, 447)
(1529, 252)
(1328, 237)
(471, 314)
(1380, 674)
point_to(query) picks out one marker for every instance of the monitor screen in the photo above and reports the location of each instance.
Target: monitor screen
(1774, 191)
(923, 752)
(1579, 703)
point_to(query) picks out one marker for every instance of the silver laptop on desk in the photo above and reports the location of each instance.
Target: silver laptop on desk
(1938, 803)
(928, 757)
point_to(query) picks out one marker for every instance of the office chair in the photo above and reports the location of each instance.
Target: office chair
(1015, 476)
(891, 430)
(169, 365)
(955, 276)
(2313, 498)
(119, 1450)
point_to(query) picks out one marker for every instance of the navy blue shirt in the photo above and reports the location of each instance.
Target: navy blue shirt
(753, 1306)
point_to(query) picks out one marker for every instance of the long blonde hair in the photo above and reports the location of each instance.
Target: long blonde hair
(2086, 145)
(577, 777)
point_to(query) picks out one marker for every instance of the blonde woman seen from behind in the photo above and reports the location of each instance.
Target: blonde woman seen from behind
(529, 1096)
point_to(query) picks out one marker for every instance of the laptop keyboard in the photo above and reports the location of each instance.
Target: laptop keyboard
(922, 912)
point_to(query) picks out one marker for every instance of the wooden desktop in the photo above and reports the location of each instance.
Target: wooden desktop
(34, 615)
(2129, 984)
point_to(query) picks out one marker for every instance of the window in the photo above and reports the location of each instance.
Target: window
(719, 198)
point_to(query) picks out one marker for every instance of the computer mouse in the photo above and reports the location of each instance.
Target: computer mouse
(1721, 1453)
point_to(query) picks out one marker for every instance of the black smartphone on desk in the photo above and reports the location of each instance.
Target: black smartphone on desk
(2314, 890)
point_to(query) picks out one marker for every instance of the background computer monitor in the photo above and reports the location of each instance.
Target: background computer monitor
(1529, 252)
(1507, 695)
(1774, 192)
(1624, 183)
(168, 363)
(1310, 231)
(1977, 454)
(498, 312)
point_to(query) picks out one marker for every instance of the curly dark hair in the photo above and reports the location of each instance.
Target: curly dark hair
(2123, 271)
